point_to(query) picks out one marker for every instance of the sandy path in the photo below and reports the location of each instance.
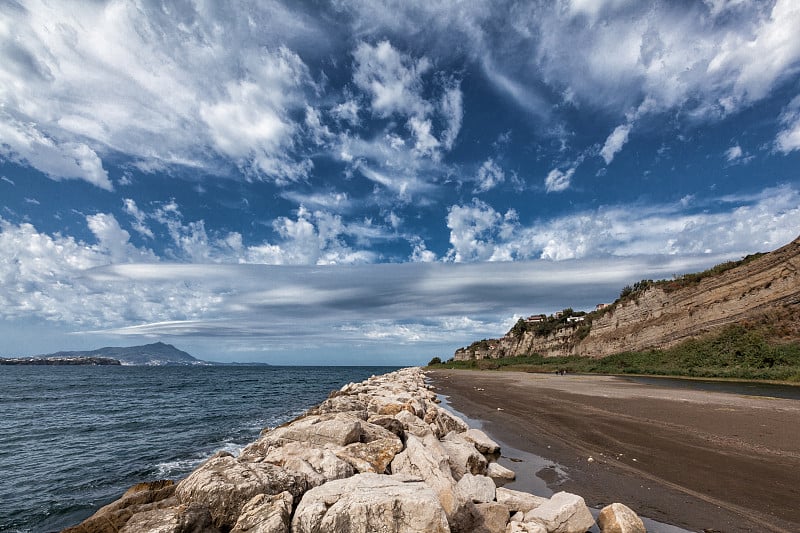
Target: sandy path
(699, 460)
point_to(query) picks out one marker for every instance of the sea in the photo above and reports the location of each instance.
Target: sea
(74, 438)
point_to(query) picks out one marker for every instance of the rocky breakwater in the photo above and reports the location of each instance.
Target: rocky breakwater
(380, 455)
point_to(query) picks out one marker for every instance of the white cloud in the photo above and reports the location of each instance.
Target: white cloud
(423, 114)
(711, 60)
(24, 143)
(769, 219)
(557, 180)
(251, 124)
(319, 132)
(490, 175)
(165, 87)
(347, 111)
(733, 153)
(452, 107)
(420, 253)
(404, 185)
(139, 217)
(476, 230)
(426, 144)
(393, 80)
(615, 141)
(757, 61)
(788, 139)
(114, 240)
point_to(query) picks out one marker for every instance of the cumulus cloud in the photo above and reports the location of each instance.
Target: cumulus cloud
(397, 86)
(393, 80)
(558, 180)
(615, 141)
(114, 240)
(479, 232)
(490, 175)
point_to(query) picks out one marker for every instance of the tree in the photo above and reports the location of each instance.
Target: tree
(435, 361)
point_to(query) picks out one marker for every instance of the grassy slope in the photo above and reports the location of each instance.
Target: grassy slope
(735, 352)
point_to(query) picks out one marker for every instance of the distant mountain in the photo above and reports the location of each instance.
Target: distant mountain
(156, 354)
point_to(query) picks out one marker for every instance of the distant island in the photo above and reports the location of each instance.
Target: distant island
(156, 354)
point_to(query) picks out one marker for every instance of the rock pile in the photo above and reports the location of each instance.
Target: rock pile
(377, 456)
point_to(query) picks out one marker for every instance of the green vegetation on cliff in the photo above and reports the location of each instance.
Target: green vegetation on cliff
(734, 352)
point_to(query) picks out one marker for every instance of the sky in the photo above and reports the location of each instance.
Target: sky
(360, 182)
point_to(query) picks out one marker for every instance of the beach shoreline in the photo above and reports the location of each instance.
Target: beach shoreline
(695, 459)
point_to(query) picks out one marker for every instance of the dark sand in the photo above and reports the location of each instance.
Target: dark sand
(695, 459)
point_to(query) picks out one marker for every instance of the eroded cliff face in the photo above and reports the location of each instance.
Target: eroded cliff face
(764, 290)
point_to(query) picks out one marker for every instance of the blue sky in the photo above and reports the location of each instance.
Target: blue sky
(355, 182)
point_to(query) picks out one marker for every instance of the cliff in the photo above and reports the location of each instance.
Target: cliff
(761, 291)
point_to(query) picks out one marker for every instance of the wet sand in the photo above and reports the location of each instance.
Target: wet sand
(703, 461)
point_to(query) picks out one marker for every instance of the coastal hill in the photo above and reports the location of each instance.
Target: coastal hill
(156, 354)
(761, 291)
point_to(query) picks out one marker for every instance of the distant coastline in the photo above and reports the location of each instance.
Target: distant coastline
(61, 361)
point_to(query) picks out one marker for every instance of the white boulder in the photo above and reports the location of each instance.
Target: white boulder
(562, 513)
(367, 503)
(619, 518)
(517, 500)
(482, 441)
(265, 514)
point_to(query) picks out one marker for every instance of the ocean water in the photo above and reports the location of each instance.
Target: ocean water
(73, 439)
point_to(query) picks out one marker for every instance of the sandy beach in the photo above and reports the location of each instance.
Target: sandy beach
(703, 461)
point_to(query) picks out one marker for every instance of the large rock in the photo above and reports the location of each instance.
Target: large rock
(562, 513)
(340, 403)
(478, 489)
(367, 503)
(525, 527)
(389, 423)
(373, 457)
(500, 474)
(139, 498)
(428, 462)
(315, 431)
(372, 432)
(389, 404)
(518, 501)
(618, 518)
(192, 518)
(225, 485)
(444, 422)
(482, 441)
(265, 514)
(489, 517)
(339, 429)
(318, 465)
(462, 456)
(413, 424)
